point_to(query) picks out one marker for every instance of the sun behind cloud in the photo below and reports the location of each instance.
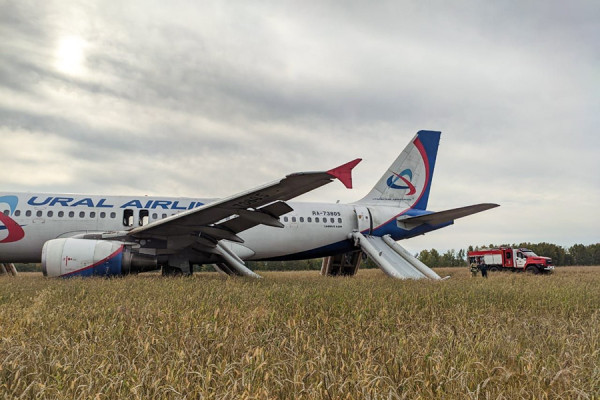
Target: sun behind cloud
(70, 55)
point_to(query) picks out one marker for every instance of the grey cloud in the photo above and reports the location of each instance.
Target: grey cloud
(207, 98)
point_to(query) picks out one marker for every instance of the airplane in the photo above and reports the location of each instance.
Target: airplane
(86, 235)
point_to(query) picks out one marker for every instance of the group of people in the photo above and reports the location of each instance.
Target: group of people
(479, 266)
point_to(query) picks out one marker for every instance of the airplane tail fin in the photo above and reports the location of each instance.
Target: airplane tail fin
(408, 180)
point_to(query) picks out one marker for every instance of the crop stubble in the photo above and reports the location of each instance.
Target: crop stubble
(299, 335)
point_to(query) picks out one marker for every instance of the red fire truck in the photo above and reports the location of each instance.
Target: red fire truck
(507, 259)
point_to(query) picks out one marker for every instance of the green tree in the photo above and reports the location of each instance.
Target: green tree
(461, 258)
(430, 258)
(580, 254)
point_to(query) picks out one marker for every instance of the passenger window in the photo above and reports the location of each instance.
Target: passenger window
(92, 214)
(50, 214)
(38, 214)
(293, 219)
(5, 212)
(82, 214)
(71, 214)
(301, 219)
(285, 219)
(113, 215)
(61, 214)
(154, 216)
(28, 213)
(332, 220)
(143, 220)
(127, 217)
(316, 219)
(339, 220)
(309, 219)
(17, 213)
(102, 214)
(164, 215)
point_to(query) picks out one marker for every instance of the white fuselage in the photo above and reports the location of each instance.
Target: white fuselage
(310, 227)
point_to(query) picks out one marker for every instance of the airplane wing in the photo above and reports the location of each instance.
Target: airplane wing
(224, 218)
(441, 217)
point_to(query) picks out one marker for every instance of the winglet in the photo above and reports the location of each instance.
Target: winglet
(344, 172)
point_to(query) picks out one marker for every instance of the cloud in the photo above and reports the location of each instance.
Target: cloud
(206, 99)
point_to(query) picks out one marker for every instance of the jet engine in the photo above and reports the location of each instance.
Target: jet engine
(85, 257)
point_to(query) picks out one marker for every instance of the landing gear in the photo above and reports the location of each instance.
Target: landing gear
(177, 266)
(167, 270)
(345, 264)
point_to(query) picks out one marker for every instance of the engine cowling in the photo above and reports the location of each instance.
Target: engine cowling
(84, 257)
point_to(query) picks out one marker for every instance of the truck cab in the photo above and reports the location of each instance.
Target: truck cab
(531, 262)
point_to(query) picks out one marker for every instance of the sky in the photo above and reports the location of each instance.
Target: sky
(210, 98)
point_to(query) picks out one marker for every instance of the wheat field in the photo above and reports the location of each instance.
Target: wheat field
(298, 335)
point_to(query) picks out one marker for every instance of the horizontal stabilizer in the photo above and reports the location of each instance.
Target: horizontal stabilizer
(441, 217)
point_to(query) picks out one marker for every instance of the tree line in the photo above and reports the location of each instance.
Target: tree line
(577, 254)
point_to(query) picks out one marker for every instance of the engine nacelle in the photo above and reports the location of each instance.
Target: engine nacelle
(84, 257)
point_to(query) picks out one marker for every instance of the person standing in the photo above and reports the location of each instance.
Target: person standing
(474, 270)
(483, 268)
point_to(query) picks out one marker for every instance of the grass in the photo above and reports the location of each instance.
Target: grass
(299, 335)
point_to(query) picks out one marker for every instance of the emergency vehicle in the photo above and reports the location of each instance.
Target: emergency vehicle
(507, 259)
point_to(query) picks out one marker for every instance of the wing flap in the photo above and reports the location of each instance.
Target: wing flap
(219, 233)
(240, 223)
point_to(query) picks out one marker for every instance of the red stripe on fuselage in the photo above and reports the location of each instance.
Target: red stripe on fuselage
(15, 232)
(421, 149)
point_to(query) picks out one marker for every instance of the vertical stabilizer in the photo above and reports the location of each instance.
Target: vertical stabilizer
(408, 180)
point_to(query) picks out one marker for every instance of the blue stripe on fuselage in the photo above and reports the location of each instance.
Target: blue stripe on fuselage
(344, 246)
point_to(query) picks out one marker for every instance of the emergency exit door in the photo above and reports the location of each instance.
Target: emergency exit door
(363, 218)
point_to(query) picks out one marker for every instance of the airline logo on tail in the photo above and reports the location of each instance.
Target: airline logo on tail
(407, 181)
(15, 232)
(391, 182)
